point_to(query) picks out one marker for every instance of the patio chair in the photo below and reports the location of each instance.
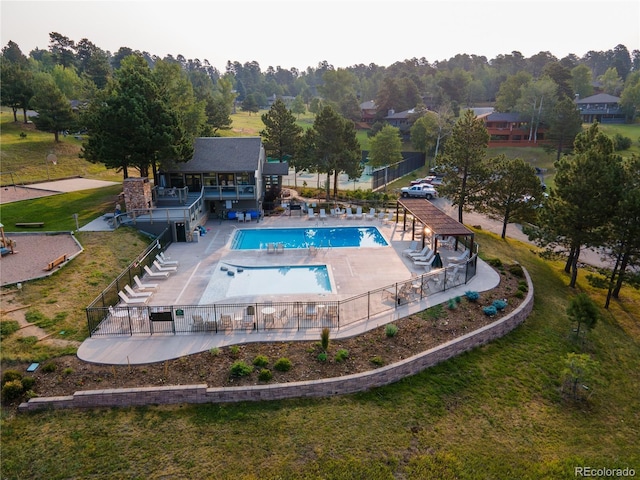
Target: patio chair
(424, 258)
(323, 214)
(132, 301)
(240, 217)
(413, 248)
(167, 263)
(153, 274)
(225, 321)
(447, 242)
(311, 311)
(389, 217)
(421, 253)
(349, 214)
(280, 247)
(359, 213)
(460, 258)
(271, 247)
(372, 214)
(332, 212)
(144, 286)
(282, 317)
(310, 214)
(332, 313)
(133, 294)
(160, 268)
(426, 264)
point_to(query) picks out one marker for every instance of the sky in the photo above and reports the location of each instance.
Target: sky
(302, 33)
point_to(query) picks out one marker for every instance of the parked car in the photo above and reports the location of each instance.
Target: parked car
(428, 179)
(420, 191)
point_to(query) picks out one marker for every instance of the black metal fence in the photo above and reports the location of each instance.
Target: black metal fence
(104, 319)
(410, 161)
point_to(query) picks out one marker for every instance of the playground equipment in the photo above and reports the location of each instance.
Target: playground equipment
(6, 244)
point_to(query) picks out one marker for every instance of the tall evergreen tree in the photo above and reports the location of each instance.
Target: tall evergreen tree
(281, 135)
(464, 166)
(53, 108)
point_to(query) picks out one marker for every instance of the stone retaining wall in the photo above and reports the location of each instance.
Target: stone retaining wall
(317, 388)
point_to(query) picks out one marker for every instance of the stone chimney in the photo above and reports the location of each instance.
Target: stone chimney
(137, 193)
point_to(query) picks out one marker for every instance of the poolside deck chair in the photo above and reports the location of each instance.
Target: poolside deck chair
(164, 256)
(460, 258)
(132, 301)
(413, 248)
(421, 253)
(133, 294)
(271, 247)
(240, 217)
(160, 268)
(389, 217)
(280, 247)
(144, 286)
(153, 274)
(225, 321)
(167, 263)
(424, 258)
(372, 214)
(323, 214)
(381, 216)
(349, 214)
(332, 212)
(426, 264)
(359, 213)
(447, 242)
(311, 311)
(310, 214)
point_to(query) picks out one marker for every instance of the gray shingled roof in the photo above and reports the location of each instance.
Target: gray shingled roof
(224, 154)
(505, 117)
(600, 98)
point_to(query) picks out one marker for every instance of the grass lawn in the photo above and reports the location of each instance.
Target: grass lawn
(496, 412)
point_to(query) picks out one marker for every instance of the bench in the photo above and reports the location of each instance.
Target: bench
(56, 262)
(30, 224)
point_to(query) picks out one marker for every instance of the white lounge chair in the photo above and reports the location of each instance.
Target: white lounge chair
(427, 264)
(132, 301)
(280, 247)
(359, 213)
(372, 214)
(413, 248)
(459, 259)
(421, 253)
(160, 268)
(424, 258)
(164, 256)
(271, 247)
(144, 286)
(323, 214)
(349, 215)
(153, 274)
(133, 294)
(167, 263)
(240, 217)
(311, 215)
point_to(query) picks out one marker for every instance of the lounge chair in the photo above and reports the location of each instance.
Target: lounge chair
(153, 274)
(132, 301)
(381, 216)
(427, 264)
(421, 253)
(389, 217)
(311, 311)
(160, 268)
(359, 213)
(310, 214)
(271, 247)
(447, 242)
(349, 214)
(413, 248)
(459, 259)
(372, 214)
(323, 214)
(144, 286)
(424, 258)
(133, 294)
(164, 257)
(280, 247)
(167, 263)
(240, 217)
(332, 212)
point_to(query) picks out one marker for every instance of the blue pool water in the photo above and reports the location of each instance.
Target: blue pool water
(282, 279)
(321, 237)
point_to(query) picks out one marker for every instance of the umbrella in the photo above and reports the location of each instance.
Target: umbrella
(437, 261)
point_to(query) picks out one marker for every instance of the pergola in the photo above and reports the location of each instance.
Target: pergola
(434, 222)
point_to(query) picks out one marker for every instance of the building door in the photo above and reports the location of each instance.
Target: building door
(181, 232)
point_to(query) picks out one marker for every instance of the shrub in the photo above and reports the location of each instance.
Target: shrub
(260, 361)
(499, 304)
(68, 371)
(472, 296)
(241, 369)
(8, 327)
(516, 270)
(49, 367)
(265, 375)
(519, 294)
(391, 330)
(10, 376)
(283, 364)
(322, 357)
(234, 350)
(324, 338)
(452, 304)
(620, 142)
(342, 355)
(495, 262)
(215, 351)
(377, 360)
(28, 383)
(490, 311)
(12, 390)
(458, 299)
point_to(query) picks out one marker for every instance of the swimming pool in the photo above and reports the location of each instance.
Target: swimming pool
(320, 237)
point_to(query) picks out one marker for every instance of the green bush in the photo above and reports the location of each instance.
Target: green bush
(324, 338)
(342, 355)
(241, 369)
(377, 360)
(391, 330)
(8, 327)
(49, 367)
(472, 296)
(261, 361)
(10, 376)
(234, 350)
(215, 351)
(516, 270)
(12, 390)
(28, 383)
(283, 365)
(519, 294)
(494, 262)
(499, 304)
(452, 304)
(322, 357)
(490, 311)
(265, 375)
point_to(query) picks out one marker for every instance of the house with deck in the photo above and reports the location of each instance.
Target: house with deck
(601, 108)
(226, 177)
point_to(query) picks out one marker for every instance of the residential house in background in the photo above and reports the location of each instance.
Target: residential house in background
(512, 129)
(368, 112)
(601, 108)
